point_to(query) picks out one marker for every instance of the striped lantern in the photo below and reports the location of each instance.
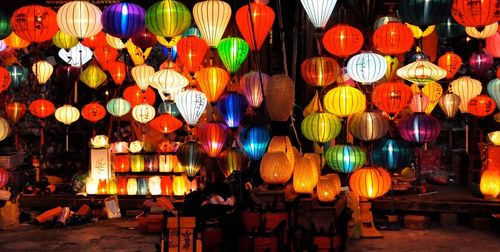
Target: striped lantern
(212, 137)
(391, 97)
(305, 176)
(118, 107)
(343, 101)
(424, 13)
(320, 71)
(255, 22)
(466, 88)
(42, 70)
(251, 87)
(143, 113)
(481, 106)
(191, 104)
(493, 45)
(450, 62)
(254, 141)
(485, 32)
(168, 19)
(283, 143)
(345, 158)
(93, 76)
(475, 13)
(368, 126)
(321, 127)
(343, 40)
(5, 28)
(79, 19)
(167, 81)
(4, 129)
(64, 41)
(449, 104)
(123, 20)
(34, 23)
(279, 96)
(15, 111)
(191, 156)
(232, 160)
(480, 62)
(18, 74)
(366, 67)
(213, 81)
(67, 114)
(232, 106)
(370, 182)
(15, 41)
(493, 89)
(419, 128)
(212, 17)
(93, 112)
(419, 103)
(450, 28)
(233, 51)
(191, 51)
(141, 75)
(41, 108)
(275, 169)
(421, 72)
(118, 71)
(392, 154)
(319, 11)
(393, 38)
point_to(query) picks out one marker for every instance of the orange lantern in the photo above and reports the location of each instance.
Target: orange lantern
(490, 183)
(343, 40)
(213, 80)
(320, 71)
(212, 136)
(165, 123)
(93, 112)
(122, 185)
(15, 111)
(450, 62)
(93, 42)
(5, 79)
(135, 96)
(370, 182)
(305, 176)
(121, 163)
(42, 108)
(262, 21)
(475, 13)
(15, 41)
(191, 52)
(275, 169)
(328, 187)
(102, 187)
(105, 55)
(392, 97)
(118, 71)
(166, 185)
(34, 23)
(393, 38)
(481, 106)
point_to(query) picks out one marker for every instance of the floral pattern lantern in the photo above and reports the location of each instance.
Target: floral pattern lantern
(475, 14)
(250, 86)
(392, 154)
(191, 156)
(255, 31)
(275, 169)
(79, 19)
(392, 97)
(419, 128)
(343, 101)
(168, 18)
(450, 62)
(213, 81)
(233, 51)
(393, 38)
(232, 106)
(320, 71)
(366, 67)
(370, 182)
(212, 17)
(481, 106)
(123, 20)
(368, 126)
(118, 107)
(165, 123)
(34, 23)
(343, 40)
(319, 11)
(213, 137)
(254, 141)
(345, 158)
(466, 88)
(321, 127)
(191, 51)
(232, 160)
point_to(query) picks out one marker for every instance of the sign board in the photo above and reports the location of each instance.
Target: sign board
(100, 164)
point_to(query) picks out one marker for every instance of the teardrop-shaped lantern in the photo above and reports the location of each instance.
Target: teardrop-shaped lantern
(67, 114)
(345, 158)
(15, 111)
(77, 56)
(93, 76)
(450, 62)
(232, 107)
(419, 128)
(255, 31)
(391, 97)
(319, 11)
(167, 81)
(449, 104)
(370, 182)
(118, 107)
(366, 67)
(343, 40)
(165, 123)
(213, 81)
(41, 108)
(42, 70)
(475, 13)
(79, 19)
(466, 88)
(118, 72)
(424, 13)
(18, 75)
(64, 41)
(142, 74)
(343, 101)
(34, 23)
(212, 17)
(275, 169)
(254, 141)
(191, 51)
(168, 18)
(212, 136)
(368, 126)
(123, 20)
(191, 156)
(421, 72)
(251, 87)
(321, 127)
(419, 103)
(320, 71)
(279, 96)
(484, 32)
(93, 112)
(143, 113)
(232, 160)
(233, 51)
(393, 38)
(305, 176)
(392, 154)
(480, 62)
(191, 104)
(135, 96)
(481, 106)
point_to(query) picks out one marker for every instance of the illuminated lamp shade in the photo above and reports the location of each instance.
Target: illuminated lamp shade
(94, 41)
(4, 129)
(79, 19)
(105, 55)
(256, 29)
(76, 56)
(135, 96)
(41, 108)
(18, 74)
(370, 182)
(343, 40)
(123, 20)
(319, 11)
(64, 41)
(91, 185)
(449, 104)
(118, 72)
(168, 18)
(67, 114)
(251, 87)
(275, 169)
(485, 32)
(320, 71)
(345, 158)
(212, 137)
(481, 106)
(419, 33)
(165, 123)
(191, 51)
(191, 104)
(305, 176)
(179, 186)
(132, 186)
(5, 28)
(141, 75)
(15, 111)
(393, 38)
(476, 14)
(421, 72)
(16, 42)
(366, 67)
(143, 113)
(115, 42)
(232, 160)
(42, 70)
(490, 183)
(283, 143)
(419, 128)
(480, 62)
(254, 141)
(212, 17)
(392, 154)
(450, 62)
(144, 39)
(34, 23)
(122, 186)
(154, 185)
(3, 46)
(391, 97)
(5, 79)
(279, 95)
(493, 89)
(191, 156)
(343, 101)
(232, 106)
(169, 162)
(466, 88)
(168, 107)
(419, 103)
(424, 13)
(118, 107)
(233, 51)
(167, 81)
(93, 76)
(138, 55)
(493, 46)
(166, 185)
(368, 126)
(213, 81)
(4, 177)
(450, 28)
(328, 187)
(320, 127)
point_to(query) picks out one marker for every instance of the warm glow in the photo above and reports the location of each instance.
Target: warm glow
(42, 70)
(490, 183)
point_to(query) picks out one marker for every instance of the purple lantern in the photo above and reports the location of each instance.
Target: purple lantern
(419, 128)
(232, 107)
(123, 20)
(480, 62)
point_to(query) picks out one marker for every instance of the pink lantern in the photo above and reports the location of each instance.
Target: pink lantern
(419, 102)
(480, 62)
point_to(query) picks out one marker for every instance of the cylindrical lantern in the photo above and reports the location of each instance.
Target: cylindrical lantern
(275, 169)
(450, 62)
(64, 41)
(121, 163)
(232, 160)
(123, 20)
(34, 23)
(328, 187)
(168, 18)
(122, 185)
(191, 104)
(165, 123)
(166, 185)
(343, 101)
(142, 186)
(345, 158)
(191, 156)
(168, 162)
(250, 86)
(393, 38)
(4, 129)
(137, 162)
(419, 102)
(67, 114)
(466, 88)
(154, 185)
(485, 32)
(143, 113)
(370, 182)
(233, 51)
(255, 31)
(366, 67)
(481, 106)
(41, 108)
(368, 126)
(279, 96)
(419, 128)
(391, 97)
(320, 71)
(392, 153)
(480, 62)
(91, 185)
(421, 72)
(118, 107)
(167, 81)
(212, 17)
(475, 14)
(213, 137)
(132, 186)
(15, 111)
(232, 106)
(93, 112)
(319, 11)
(142, 74)
(305, 176)
(343, 40)
(102, 186)
(179, 186)
(321, 127)
(490, 183)
(283, 143)
(113, 186)
(213, 81)
(254, 141)
(191, 51)
(93, 76)
(424, 13)
(449, 104)
(79, 19)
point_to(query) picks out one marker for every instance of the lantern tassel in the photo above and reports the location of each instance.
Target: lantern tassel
(42, 137)
(67, 139)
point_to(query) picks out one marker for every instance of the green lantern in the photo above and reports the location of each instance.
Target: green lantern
(118, 107)
(4, 25)
(321, 127)
(345, 158)
(168, 18)
(18, 74)
(233, 51)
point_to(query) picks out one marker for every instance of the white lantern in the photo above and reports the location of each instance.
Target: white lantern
(67, 114)
(421, 72)
(99, 141)
(76, 56)
(143, 113)
(466, 88)
(486, 32)
(4, 128)
(367, 67)
(167, 81)
(319, 11)
(212, 17)
(79, 19)
(42, 70)
(115, 42)
(251, 88)
(191, 104)
(136, 146)
(154, 185)
(141, 75)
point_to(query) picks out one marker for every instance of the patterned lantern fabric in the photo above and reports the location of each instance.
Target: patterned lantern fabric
(320, 71)
(93, 112)
(475, 13)
(481, 106)
(450, 62)
(419, 128)
(391, 97)
(191, 104)
(279, 96)
(366, 67)
(421, 72)
(275, 169)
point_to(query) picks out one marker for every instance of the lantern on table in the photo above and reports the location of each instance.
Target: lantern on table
(305, 176)
(275, 169)
(142, 186)
(328, 187)
(490, 183)
(283, 143)
(179, 186)
(132, 186)
(168, 162)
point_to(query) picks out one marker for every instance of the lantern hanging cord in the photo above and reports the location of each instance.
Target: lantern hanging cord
(295, 132)
(282, 37)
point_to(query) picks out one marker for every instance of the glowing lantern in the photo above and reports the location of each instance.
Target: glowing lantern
(132, 186)
(231, 160)
(122, 186)
(118, 72)
(282, 143)
(121, 163)
(137, 54)
(93, 76)
(318, 11)
(79, 19)
(5, 79)
(391, 97)
(250, 86)
(419, 128)
(168, 107)
(191, 51)
(305, 176)
(212, 17)
(64, 41)
(493, 45)
(370, 182)
(343, 40)
(105, 55)
(4, 177)
(15, 111)
(115, 42)
(191, 104)
(191, 156)
(102, 186)
(4, 129)
(34, 23)
(421, 72)
(485, 32)
(494, 90)
(179, 186)
(255, 31)
(475, 14)
(320, 71)
(18, 75)
(419, 103)
(466, 88)
(15, 41)
(168, 162)
(135, 96)
(213, 81)
(212, 137)
(343, 101)
(345, 158)
(279, 95)
(481, 106)
(321, 127)
(41, 108)
(78, 55)
(170, 42)
(232, 107)
(136, 161)
(328, 187)
(368, 126)
(67, 114)
(91, 185)
(449, 104)
(168, 18)
(144, 39)
(94, 41)
(392, 154)
(99, 141)
(167, 81)
(42, 70)
(118, 107)
(393, 38)
(141, 75)
(233, 51)
(93, 112)
(143, 113)
(418, 33)
(450, 28)
(154, 185)
(424, 13)
(450, 62)
(490, 183)
(3, 46)
(275, 169)
(254, 141)
(366, 67)
(142, 186)
(123, 20)
(166, 185)
(5, 28)
(480, 62)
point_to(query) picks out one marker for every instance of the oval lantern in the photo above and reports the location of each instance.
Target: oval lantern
(343, 40)
(424, 13)
(93, 76)
(449, 104)
(42, 70)
(328, 187)
(4, 132)
(212, 17)
(18, 75)
(5, 79)
(67, 114)
(105, 55)
(93, 112)
(368, 126)
(143, 113)
(135, 96)
(493, 45)
(191, 156)
(165, 124)
(392, 154)
(118, 72)
(419, 128)
(232, 160)
(167, 81)
(233, 51)
(232, 106)
(212, 137)
(64, 41)
(168, 107)
(144, 39)
(283, 143)
(79, 19)
(305, 176)
(393, 38)
(450, 28)
(41, 108)
(15, 41)
(391, 97)
(141, 75)
(370, 182)
(421, 72)
(279, 96)
(123, 20)
(34, 23)
(476, 13)
(450, 62)
(318, 11)
(191, 104)
(275, 169)
(76, 56)
(366, 67)
(480, 62)
(485, 32)
(255, 31)
(168, 18)
(343, 101)
(345, 158)
(481, 106)
(213, 81)
(320, 71)
(118, 107)
(466, 88)
(493, 89)
(5, 28)
(320, 127)
(419, 103)
(250, 86)
(15, 111)
(191, 51)
(254, 141)
(490, 183)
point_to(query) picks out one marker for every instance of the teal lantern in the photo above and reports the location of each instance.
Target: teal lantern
(392, 154)
(168, 18)
(233, 51)
(142, 186)
(168, 107)
(424, 13)
(5, 29)
(192, 31)
(493, 91)
(450, 29)
(18, 75)
(118, 107)
(254, 141)
(345, 158)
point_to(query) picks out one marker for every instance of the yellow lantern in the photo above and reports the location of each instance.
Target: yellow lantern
(370, 182)
(67, 114)
(434, 91)
(494, 137)
(328, 187)
(418, 33)
(42, 70)
(213, 80)
(486, 32)
(154, 185)
(15, 41)
(91, 185)
(4, 128)
(137, 162)
(143, 113)
(115, 42)
(282, 143)
(169, 163)
(137, 55)
(490, 183)
(305, 176)
(64, 41)
(99, 141)
(344, 101)
(466, 88)
(113, 185)
(132, 186)
(212, 17)
(141, 75)
(179, 185)
(275, 169)
(79, 19)
(169, 43)
(93, 76)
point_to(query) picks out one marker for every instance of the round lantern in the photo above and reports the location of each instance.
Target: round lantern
(213, 137)
(345, 158)
(328, 187)
(450, 62)
(93, 76)
(418, 33)
(93, 112)
(232, 51)
(279, 96)
(15, 111)
(480, 62)
(168, 18)
(475, 14)
(368, 126)
(135, 96)
(250, 86)
(5, 28)
(419, 103)
(4, 177)
(123, 20)
(391, 97)
(489, 184)
(42, 70)
(168, 107)
(167, 81)
(320, 71)
(118, 107)
(493, 45)
(481, 106)
(41, 108)
(67, 114)
(79, 19)
(18, 75)
(212, 17)
(118, 72)
(144, 39)
(449, 104)
(485, 32)
(392, 154)
(76, 56)
(191, 156)
(5, 79)
(275, 169)
(254, 141)
(34, 23)
(466, 88)
(213, 81)
(305, 176)
(450, 28)
(191, 51)
(370, 182)
(15, 41)
(105, 55)
(232, 160)
(95, 41)
(419, 128)
(494, 90)
(141, 75)
(64, 41)
(343, 101)
(232, 106)
(393, 38)
(143, 113)
(165, 123)
(255, 31)
(343, 40)
(321, 127)
(4, 130)
(421, 72)
(283, 143)
(318, 11)
(424, 13)
(366, 67)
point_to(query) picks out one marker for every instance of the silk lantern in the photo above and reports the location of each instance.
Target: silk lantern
(123, 20)
(118, 72)
(115, 42)
(4, 177)
(91, 185)
(485, 32)
(481, 106)
(154, 185)
(320, 71)
(343, 40)
(4, 129)
(168, 107)
(212, 137)
(424, 13)
(480, 62)
(141, 75)
(191, 51)
(368, 126)
(493, 89)
(250, 86)
(449, 104)
(393, 38)
(15, 111)
(42, 70)
(18, 74)
(79, 19)
(212, 17)
(450, 62)
(419, 103)
(41, 108)
(392, 153)
(283, 143)
(5, 79)
(95, 41)
(255, 31)
(321, 127)
(418, 33)
(102, 186)
(169, 43)
(168, 18)
(275, 169)
(166, 185)
(343, 101)
(466, 88)
(5, 28)
(391, 97)
(165, 123)
(475, 14)
(232, 160)
(366, 67)
(34, 23)
(135, 96)
(419, 128)
(179, 186)
(15, 41)
(191, 104)
(143, 113)
(213, 81)
(493, 45)
(318, 11)
(67, 114)
(93, 76)
(167, 81)
(132, 186)
(305, 176)
(122, 185)
(64, 41)
(345, 158)
(105, 55)
(93, 112)
(421, 72)
(232, 106)
(76, 56)
(279, 96)
(370, 182)
(233, 51)
(144, 39)
(328, 187)
(191, 156)
(168, 162)
(490, 183)
(254, 141)
(118, 107)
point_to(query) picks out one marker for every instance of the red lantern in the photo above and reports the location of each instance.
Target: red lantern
(95, 41)
(343, 40)
(493, 45)
(5, 79)
(15, 111)
(4, 177)
(118, 71)
(393, 38)
(166, 185)
(165, 123)
(262, 22)
(122, 185)
(144, 40)
(105, 55)
(481, 106)
(191, 52)
(93, 112)
(498, 72)
(135, 96)
(121, 163)
(34, 23)
(475, 13)
(212, 136)
(391, 97)
(320, 71)
(42, 108)
(450, 62)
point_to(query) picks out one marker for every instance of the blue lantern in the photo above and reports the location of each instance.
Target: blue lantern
(254, 140)
(142, 186)
(123, 20)
(345, 158)
(18, 74)
(392, 154)
(232, 107)
(192, 31)
(168, 107)
(171, 53)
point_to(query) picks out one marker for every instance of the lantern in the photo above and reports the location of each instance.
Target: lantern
(143, 113)
(466, 88)
(212, 17)
(167, 81)
(232, 107)
(318, 11)
(144, 39)
(494, 90)
(321, 127)
(345, 158)
(283, 143)
(370, 182)
(421, 72)
(391, 97)
(118, 107)
(99, 141)
(392, 154)
(154, 185)
(368, 126)
(320, 71)
(191, 51)
(4, 129)
(79, 19)
(142, 186)
(212, 137)
(213, 81)
(419, 103)
(93, 112)
(476, 14)
(485, 32)
(18, 74)
(15, 41)
(424, 13)
(4, 177)
(450, 28)
(254, 141)
(123, 20)
(191, 104)
(255, 31)
(279, 96)
(366, 67)
(121, 163)
(168, 18)
(393, 38)
(118, 72)
(191, 156)
(449, 104)
(168, 107)
(179, 186)
(91, 185)
(343, 101)
(250, 86)
(141, 75)
(132, 186)
(232, 160)
(305, 176)
(170, 42)
(122, 186)
(105, 55)
(169, 162)
(34, 23)
(78, 55)
(15, 111)
(493, 46)
(419, 128)
(275, 169)
(5, 28)
(93, 76)
(42, 70)
(328, 187)
(113, 186)
(41, 108)
(166, 185)
(67, 114)
(450, 62)
(95, 41)
(64, 41)
(343, 40)
(115, 42)
(233, 51)
(5, 79)
(135, 96)
(136, 162)
(490, 183)
(481, 106)
(419, 33)
(480, 62)
(102, 186)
